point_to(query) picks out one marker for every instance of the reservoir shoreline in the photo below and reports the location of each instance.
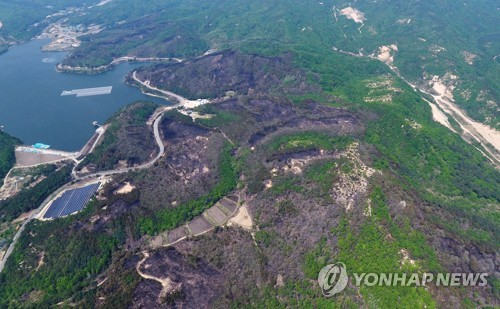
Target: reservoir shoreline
(33, 110)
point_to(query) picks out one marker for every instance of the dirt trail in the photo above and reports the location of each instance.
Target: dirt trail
(166, 283)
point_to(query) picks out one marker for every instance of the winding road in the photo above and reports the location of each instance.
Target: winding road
(183, 102)
(166, 283)
(158, 115)
(156, 130)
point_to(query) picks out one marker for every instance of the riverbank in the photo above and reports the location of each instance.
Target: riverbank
(444, 108)
(103, 68)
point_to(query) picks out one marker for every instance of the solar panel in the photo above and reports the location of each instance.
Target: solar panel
(71, 201)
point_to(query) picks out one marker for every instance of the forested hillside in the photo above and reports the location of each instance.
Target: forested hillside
(7, 156)
(314, 149)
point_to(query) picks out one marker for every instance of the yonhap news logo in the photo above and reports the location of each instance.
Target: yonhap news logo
(333, 279)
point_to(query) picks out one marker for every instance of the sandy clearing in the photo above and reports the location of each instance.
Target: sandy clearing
(26, 159)
(406, 258)
(195, 115)
(346, 189)
(386, 53)
(242, 218)
(469, 57)
(439, 116)
(480, 132)
(387, 98)
(403, 21)
(127, 188)
(354, 14)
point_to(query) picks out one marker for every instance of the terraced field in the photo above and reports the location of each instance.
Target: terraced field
(217, 215)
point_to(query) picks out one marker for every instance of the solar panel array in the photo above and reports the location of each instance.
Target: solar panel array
(71, 201)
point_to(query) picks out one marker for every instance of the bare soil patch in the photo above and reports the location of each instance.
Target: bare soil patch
(354, 14)
(199, 226)
(127, 188)
(32, 158)
(242, 218)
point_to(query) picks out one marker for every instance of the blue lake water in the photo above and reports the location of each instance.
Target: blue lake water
(31, 105)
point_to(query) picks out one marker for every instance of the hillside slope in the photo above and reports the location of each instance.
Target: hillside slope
(314, 150)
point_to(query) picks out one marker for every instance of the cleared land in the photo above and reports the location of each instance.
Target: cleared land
(218, 215)
(199, 226)
(24, 158)
(127, 188)
(242, 219)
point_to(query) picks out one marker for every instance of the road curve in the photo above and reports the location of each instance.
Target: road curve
(161, 152)
(183, 102)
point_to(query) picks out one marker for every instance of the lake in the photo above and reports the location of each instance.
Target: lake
(31, 105)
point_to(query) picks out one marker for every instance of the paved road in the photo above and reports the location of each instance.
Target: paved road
(161, 152)
(14, 240)
(156, 124)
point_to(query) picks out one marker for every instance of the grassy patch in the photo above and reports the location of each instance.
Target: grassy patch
(219, 119)
(167, 219)
(303, 141)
